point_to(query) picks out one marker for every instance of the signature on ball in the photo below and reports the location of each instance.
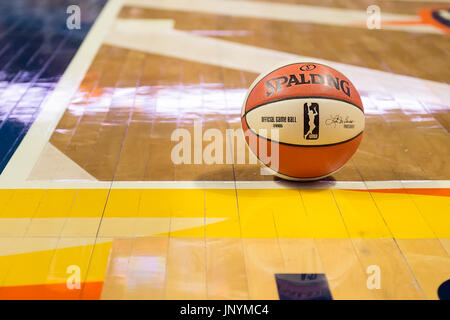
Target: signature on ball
(335, 120)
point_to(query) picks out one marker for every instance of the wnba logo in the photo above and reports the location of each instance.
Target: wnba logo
(311, 121)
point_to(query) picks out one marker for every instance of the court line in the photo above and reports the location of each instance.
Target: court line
(354, 185)
(26, 155)
(423, 1)
(268, 10)
(287, 12)
(229, 54)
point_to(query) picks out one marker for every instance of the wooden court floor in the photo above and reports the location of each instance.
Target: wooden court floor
(92, 205)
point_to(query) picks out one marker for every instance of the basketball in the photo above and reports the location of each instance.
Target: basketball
(303, 121)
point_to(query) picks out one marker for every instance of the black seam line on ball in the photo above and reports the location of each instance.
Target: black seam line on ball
(305, 145)
(302, 97)
(290, 64)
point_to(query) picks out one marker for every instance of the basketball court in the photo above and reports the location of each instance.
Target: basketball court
(93, 205)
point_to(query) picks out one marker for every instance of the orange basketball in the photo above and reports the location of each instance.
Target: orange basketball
(303, 120)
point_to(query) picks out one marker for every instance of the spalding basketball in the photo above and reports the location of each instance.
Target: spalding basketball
(306, 116)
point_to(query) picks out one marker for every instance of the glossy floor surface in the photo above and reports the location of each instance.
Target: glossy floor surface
(35, 50)
(92, 205)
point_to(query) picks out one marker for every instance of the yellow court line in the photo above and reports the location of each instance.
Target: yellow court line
(435, 211)
(323, 213)
(254, 213)
(402, 216)
(361, 215)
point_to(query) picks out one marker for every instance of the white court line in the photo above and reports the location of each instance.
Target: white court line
(357, 185)
(137, 25)
(423, 1)
(228, 54)
(26, 155)
(268, 10)
(286, 12)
